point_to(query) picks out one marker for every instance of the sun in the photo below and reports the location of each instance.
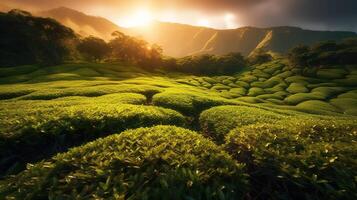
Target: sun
(141, 17)
(203, 22)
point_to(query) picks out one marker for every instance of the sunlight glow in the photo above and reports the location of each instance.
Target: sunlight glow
(141, 17)
(203, 22)
(229, 20)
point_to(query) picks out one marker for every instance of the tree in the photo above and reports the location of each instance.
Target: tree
(135, 50)
(299, 55)
(25, 39)
(259, 57)
(94, 49)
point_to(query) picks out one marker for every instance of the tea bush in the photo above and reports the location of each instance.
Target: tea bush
(43, 133)
(163, 162)
(187, 103)
(299, 159)
(218, 121)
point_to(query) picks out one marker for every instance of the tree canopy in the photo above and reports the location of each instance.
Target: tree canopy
(326, 53)
(25, 39)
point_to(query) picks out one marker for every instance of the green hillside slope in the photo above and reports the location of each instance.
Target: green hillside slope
(294, 128)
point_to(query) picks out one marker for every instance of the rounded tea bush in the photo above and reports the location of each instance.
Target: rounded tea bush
(35, 136)
(299, 159)
(218, 121)
(187, 103)
(162, 162)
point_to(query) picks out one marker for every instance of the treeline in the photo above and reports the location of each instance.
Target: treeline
(121, 48)
(207, 64)
(25, 39)
(326, 54)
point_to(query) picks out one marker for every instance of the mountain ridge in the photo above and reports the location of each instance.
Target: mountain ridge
(180, 40)
(82, 23)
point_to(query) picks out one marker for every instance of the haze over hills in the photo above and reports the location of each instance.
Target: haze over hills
(181, 40)
(83, 24)
(4, 8)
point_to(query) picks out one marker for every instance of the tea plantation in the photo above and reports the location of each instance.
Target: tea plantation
(113, 131)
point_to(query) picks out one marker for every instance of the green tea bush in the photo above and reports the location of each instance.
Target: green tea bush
(220, 87)
(163, 162)
(243, 84)
(255, 91)
(349, 81)
(252, 100)
(260, 73)
(348, 105)
(317, 107)
(10, 93)
(248, 78)
(297, 88)
(187, 103)
(92, 91)
(45, 132)
(351, 94)
(218, 121)
(277, 88)
(329, 92)
(298, 159)
(338, 73)
(285, 74)
(302, 80)
(240, 91)
(301, 97)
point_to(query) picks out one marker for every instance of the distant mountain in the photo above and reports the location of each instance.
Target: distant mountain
(83, 24)
(181, 40)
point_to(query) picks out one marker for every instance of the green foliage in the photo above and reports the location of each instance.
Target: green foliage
(163, 162)
(255, 91)
(299, 159)
(44, 131)
(218, 121)
(301, 97)
(26, 39)
(259, 57)
(210, 64)
(348, 105)
(331, 73)
(134, 50)
(326, 53)
(186, 103)
(297, 88)
(94, 49)
(317, 107)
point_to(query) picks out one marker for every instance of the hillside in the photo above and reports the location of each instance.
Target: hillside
(181, 40)
(83, 24)
(162, 130)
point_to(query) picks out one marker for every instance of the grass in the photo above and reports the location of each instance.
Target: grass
(162, 162)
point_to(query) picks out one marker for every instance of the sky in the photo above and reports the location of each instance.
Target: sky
(220, 14)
